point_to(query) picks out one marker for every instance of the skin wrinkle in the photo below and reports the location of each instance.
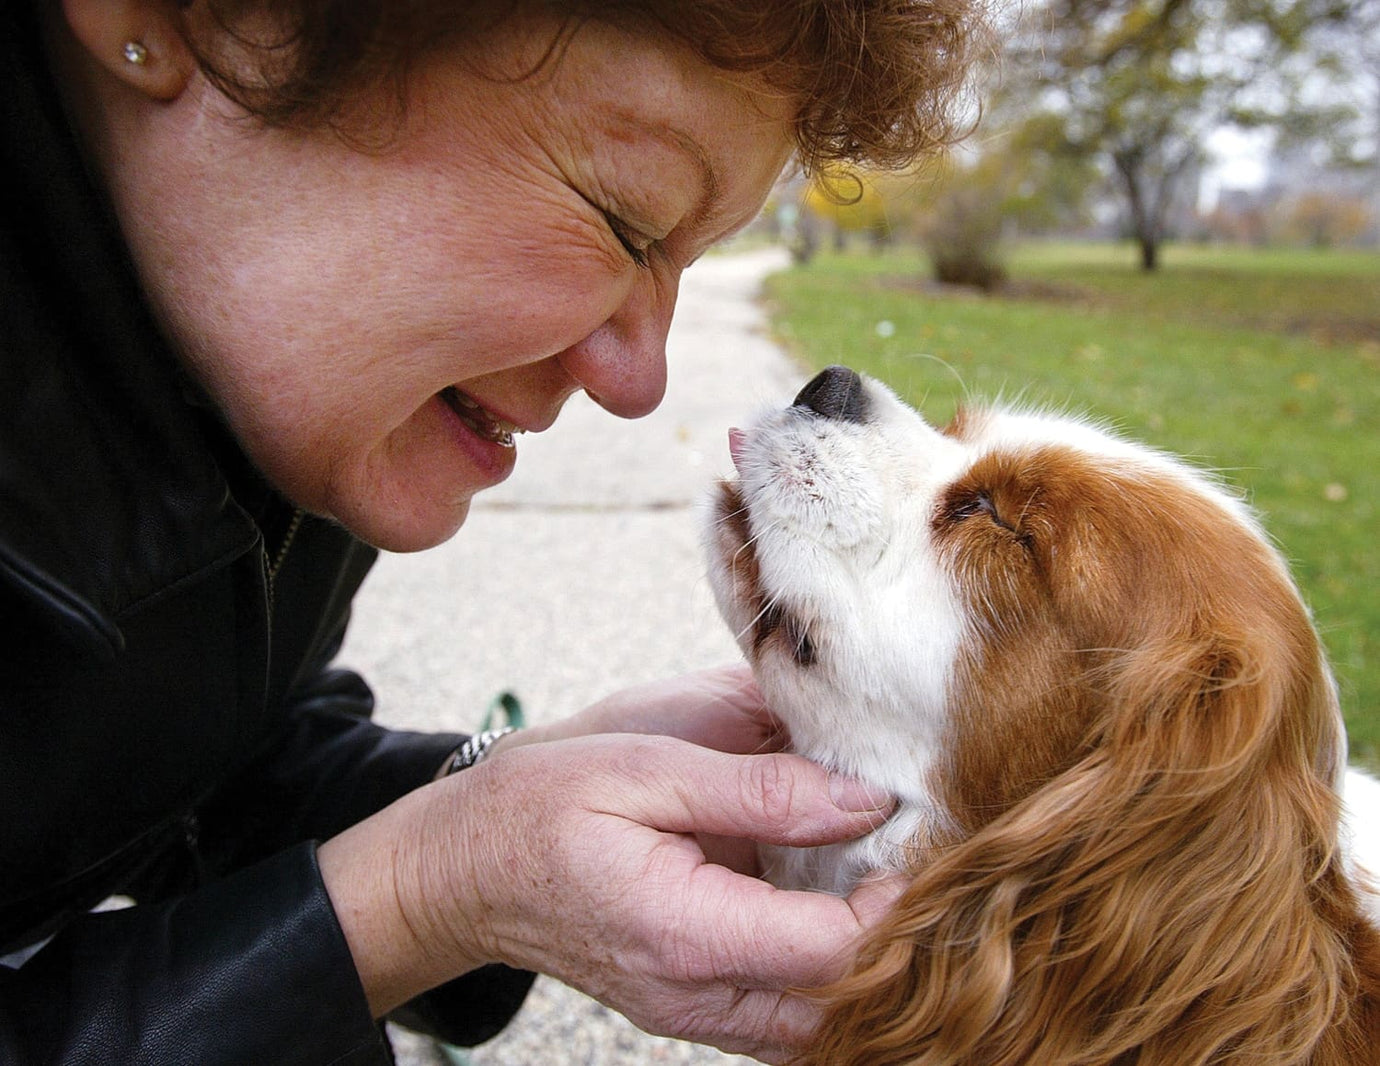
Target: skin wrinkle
(652, 213)
(644, 206)
(323, 284)
(637, 131)
(325, 344)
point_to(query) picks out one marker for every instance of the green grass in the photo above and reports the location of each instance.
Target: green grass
(1264, 366)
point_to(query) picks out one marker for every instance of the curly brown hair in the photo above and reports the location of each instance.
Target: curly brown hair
(879, 82)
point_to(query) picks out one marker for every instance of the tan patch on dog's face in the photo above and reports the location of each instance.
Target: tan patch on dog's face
(1013, 536)
(946, 614)
(1065, 562)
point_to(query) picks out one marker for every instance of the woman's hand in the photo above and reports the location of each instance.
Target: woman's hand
(580, 859)
(719, 708)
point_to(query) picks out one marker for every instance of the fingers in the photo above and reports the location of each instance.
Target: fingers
(752, 935)
(613, 892)
(719, 708)
(731, 681)
(733, 716)
(772, 798)
(774, 1026)
(722, 708)
(771, 1025)
(876, 895)
(734, 852)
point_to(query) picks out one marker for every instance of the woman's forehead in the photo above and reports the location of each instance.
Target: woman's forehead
(634, 104)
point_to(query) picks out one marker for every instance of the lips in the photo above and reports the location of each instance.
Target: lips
(479, 419)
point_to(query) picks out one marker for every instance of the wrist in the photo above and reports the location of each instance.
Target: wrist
(402, 896)
(360, 868)
(472, 751)
(509, 740)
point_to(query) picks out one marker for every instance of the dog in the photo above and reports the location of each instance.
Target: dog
(1094, 688)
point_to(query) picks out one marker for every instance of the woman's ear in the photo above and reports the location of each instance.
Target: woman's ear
(140, 42)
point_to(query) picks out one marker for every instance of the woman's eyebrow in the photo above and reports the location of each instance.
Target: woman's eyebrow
(681, 141)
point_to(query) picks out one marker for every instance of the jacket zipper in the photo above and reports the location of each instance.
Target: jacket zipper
(191, 840)
(271, 569)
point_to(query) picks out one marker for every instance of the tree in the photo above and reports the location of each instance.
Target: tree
(954, 210)
(1047, 178)
(852, 202)
(1344, 86)
(959, 206)
(1140, 84)
(1322, 221)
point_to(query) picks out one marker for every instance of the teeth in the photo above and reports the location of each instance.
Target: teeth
(484, 424)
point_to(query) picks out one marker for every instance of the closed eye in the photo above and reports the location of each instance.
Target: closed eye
(978, 503)
(801, 646)
(635, 244)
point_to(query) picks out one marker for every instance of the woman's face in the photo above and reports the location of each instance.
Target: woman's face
(371, 322)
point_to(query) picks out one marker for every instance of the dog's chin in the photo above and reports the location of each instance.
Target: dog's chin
(825, 718)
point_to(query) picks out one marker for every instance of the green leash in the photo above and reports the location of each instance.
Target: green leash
(509, 706)
(456, 1056)
(505, 709)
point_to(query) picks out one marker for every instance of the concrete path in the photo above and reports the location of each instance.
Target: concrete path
(580, 575)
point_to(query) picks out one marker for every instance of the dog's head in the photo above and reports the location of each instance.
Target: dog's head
(1093, 685)
(957, 614)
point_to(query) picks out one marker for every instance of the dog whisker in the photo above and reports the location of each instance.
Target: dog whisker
(1094, 743)
(764, 611)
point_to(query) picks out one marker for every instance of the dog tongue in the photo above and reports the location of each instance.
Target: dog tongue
(736, 440)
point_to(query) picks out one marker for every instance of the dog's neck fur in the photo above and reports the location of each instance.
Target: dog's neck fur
(1093, 687)
(837, 868)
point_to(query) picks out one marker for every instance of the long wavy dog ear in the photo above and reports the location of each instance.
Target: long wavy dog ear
(1174, 897)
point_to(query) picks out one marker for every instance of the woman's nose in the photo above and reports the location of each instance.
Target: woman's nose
(622, 364)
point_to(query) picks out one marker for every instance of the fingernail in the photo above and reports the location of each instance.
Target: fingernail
(850, 794)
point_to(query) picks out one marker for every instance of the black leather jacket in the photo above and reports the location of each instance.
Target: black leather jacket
(171, 729)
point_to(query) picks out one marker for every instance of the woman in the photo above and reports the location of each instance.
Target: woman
(282, 282)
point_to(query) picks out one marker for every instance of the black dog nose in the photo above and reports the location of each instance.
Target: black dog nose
(835, 392)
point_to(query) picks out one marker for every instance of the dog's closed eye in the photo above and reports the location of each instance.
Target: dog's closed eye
(802, 647)
(969, 504)
(963, 504)
(1089, 679)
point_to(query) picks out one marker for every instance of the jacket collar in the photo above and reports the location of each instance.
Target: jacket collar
(110, 492)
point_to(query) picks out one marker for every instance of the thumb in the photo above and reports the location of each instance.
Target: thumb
(772, 798)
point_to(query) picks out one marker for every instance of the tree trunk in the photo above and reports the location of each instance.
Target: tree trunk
(1150, 192)
(1130, 164)
(1149, 252)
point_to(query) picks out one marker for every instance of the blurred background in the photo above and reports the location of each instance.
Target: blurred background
(1167, 216)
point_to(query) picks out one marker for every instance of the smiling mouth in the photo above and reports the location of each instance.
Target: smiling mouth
(484, 424)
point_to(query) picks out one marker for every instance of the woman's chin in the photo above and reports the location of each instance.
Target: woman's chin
(395, 529)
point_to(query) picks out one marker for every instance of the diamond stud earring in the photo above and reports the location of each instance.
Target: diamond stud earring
(136, 53)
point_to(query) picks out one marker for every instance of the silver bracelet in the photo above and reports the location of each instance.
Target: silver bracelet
(474, 749)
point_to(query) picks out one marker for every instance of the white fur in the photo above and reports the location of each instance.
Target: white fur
(830, 505)
(1361, 834)
(839, 515)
